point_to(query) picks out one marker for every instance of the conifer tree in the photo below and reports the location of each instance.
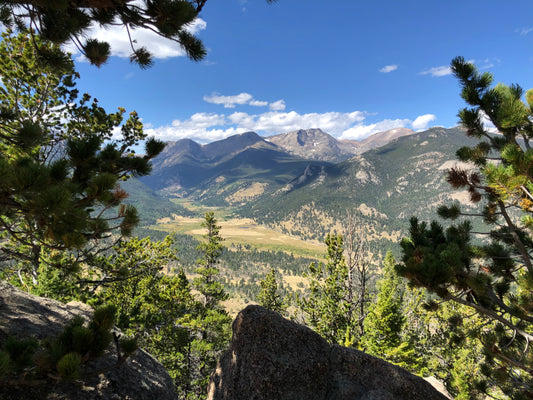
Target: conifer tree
(61, 166)
(494, 278)
(157, 305)
(268, 296)
(60, 21)
(326, 308)
(210, 326)
(385, 320)
(207, 284)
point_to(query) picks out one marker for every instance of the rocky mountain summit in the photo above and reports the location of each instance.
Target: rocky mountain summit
(271, 357)
(315, 144)
(141, 377)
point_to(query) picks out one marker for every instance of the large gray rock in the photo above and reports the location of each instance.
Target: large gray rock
(271, 357)
(141, 377)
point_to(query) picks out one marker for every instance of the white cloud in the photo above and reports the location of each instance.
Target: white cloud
(117, 37)
(206, 127)
(238, 99)
(200, 126)
(277, 105)
(277, 122)
(202, 120)
(422, 122)
(229, 101)
(362, 131)
(525, 31)
(258, 103)
(438, 71)
(487, 63)
(388, 68)
(444, 70)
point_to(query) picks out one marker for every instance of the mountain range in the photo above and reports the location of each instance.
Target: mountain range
(315, 144)
(305, 182)
(248, 165)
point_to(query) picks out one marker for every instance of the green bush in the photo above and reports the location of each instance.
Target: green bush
(64, 353)
(21, 351)
(104, 317)
(68, 367)
(82, 339)
(128, 346)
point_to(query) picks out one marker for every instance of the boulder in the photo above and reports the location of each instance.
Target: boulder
(271, 357)
(141, 377)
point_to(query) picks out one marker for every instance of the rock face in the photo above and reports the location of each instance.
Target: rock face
(140, 377)
(273, 358)
(315, 144)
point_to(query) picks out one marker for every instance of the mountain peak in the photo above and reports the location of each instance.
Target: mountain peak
(231, 145)
(312, 144)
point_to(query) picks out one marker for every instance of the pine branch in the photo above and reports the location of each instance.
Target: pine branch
(521, 248)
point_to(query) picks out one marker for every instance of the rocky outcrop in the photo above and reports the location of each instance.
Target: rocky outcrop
(140, 377)
(315, 144)
(273, 358)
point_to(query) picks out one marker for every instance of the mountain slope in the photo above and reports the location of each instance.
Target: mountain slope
(228, 171)
(382, 188)
(382, 138)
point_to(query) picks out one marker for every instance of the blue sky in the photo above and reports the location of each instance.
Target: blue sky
(349, 67)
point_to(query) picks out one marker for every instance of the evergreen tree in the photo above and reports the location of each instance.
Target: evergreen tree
(494, 278)
(268, 296)
(156, 304)
(326, 308)
(385, 321)
(438, 340)
(61, 166)
(207, 283)
(60, 21)
(210, 327)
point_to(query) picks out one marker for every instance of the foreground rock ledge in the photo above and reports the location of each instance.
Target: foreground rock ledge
(272, 358)
(141, 377)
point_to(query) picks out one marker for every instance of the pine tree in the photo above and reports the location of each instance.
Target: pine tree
(210, 326)
(385, 321)
(61, 170)
(157, 305)
(495, 278)
(207, 283)
(268, 296)
(326, 308)
(60, 21)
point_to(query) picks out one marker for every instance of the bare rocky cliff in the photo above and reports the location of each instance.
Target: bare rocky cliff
(141, 377)
(271, 357)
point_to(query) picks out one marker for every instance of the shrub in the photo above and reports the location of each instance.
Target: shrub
(68, 367)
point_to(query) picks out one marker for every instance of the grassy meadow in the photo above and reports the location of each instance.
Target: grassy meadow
(238, 231)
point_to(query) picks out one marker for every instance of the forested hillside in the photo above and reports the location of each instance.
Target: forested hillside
(381, 188)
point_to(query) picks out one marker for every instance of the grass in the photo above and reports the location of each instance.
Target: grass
(238, 231)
